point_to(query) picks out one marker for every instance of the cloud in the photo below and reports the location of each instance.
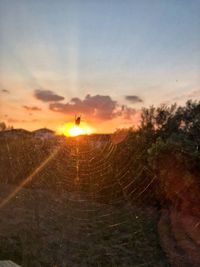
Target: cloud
(33, 108)
(98, 107)
(5, 91)
(133, 99)
(47, 96)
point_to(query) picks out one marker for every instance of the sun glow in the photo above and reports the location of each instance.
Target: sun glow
(70, 129)
(76, 130)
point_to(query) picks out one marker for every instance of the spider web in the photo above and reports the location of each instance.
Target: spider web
(88, 217)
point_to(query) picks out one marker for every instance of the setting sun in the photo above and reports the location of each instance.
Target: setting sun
(70, 129)
(75, 131)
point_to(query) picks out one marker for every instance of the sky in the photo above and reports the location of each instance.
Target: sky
(103, 60)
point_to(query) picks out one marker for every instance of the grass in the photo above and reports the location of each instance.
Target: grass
(56, 221)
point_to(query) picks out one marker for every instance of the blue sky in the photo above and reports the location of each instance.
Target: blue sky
(150, 49)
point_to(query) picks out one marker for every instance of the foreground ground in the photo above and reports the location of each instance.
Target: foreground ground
(80, 204)
(39, 228)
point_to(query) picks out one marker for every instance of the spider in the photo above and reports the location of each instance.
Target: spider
(77, 120)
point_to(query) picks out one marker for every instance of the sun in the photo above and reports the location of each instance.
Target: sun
(70, 129)
(75, 131)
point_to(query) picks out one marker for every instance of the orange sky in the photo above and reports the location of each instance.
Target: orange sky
(21, 107)
(18, 117)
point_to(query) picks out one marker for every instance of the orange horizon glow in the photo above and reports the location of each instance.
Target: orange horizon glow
(70, 129)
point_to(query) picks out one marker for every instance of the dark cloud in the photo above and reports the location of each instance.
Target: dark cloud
(100, 107)
(5, 91)
(47, 96)
(33, 108)
(134, 99)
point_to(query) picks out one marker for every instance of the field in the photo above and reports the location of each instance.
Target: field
(69, 208)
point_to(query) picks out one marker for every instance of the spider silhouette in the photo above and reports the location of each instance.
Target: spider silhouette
(77, 120)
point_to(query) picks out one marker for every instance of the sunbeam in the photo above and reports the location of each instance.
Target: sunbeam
(29, 178)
